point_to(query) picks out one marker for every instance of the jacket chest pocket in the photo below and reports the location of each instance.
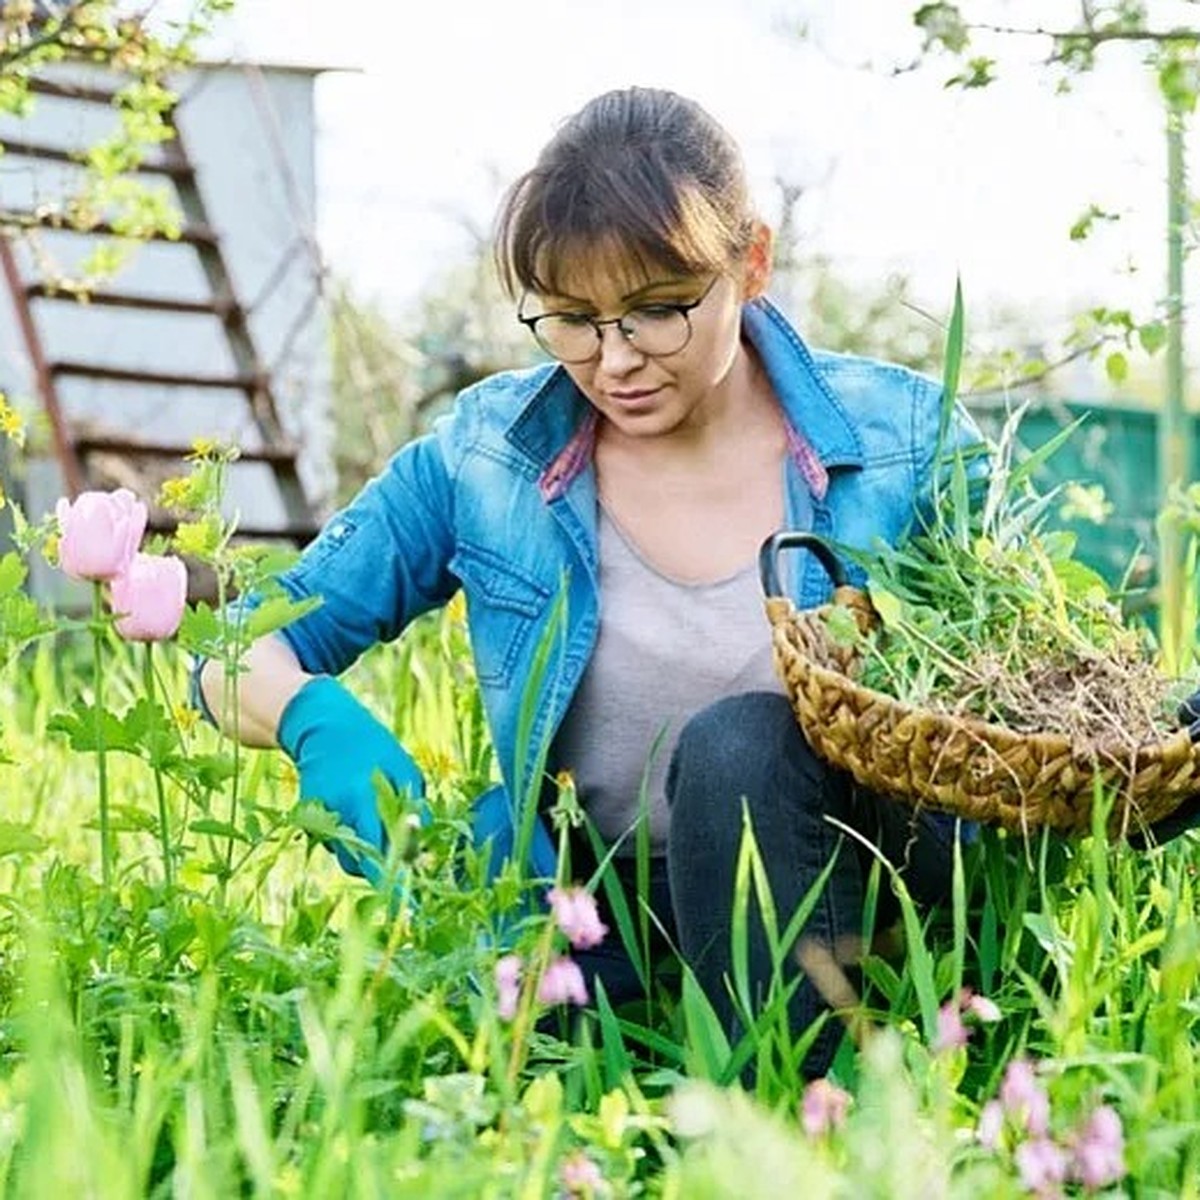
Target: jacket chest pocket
(504, 603)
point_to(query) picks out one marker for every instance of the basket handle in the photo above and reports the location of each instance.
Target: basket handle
(787, 539)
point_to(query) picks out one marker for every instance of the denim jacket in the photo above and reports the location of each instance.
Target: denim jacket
(500, 500)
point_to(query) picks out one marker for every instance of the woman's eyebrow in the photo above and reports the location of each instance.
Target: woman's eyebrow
(563, 298)
(653, 287)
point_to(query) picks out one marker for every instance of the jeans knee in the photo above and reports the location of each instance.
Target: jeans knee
(732, 749)
(725, 737)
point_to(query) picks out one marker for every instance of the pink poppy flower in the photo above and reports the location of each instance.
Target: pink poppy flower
(100, 532)
(149, 597)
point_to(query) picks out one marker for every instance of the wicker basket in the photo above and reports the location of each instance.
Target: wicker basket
(961, 765)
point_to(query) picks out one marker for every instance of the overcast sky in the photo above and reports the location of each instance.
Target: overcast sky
(443, 103)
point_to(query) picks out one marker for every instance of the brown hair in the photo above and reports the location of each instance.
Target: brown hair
(641, 168)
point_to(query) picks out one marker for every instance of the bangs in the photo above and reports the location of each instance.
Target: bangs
(539, 248)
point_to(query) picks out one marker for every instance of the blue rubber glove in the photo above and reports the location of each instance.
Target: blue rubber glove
(338, 747)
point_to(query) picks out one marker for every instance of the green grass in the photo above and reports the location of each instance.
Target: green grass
(278, 1029)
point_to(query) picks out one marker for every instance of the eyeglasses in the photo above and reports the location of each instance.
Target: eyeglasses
(652, 329)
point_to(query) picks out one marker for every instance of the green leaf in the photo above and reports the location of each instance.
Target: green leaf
(1116, 367)
(79, 725)
(314, 819)
(1153, 336)
(12, 572)
(276, 612)
(200, 630)
(19, 839)
(888, 606)
(215, 828)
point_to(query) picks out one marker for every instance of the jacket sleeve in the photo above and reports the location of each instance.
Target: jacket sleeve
(381, 561)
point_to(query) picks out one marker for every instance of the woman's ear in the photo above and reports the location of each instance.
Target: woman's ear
(756, 274)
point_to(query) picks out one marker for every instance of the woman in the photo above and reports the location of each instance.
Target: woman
(682, 422)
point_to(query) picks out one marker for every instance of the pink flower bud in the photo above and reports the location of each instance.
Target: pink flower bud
(951, 1033)
(991, 1125)
(1098, 1155)
(580, 1176)
(101, 532)
(149, 597)
(1024, 1099)
(980, 1007)
(575, 911)
(823, 1107)
(1042, 1165)
(508, 986)
(562, 983)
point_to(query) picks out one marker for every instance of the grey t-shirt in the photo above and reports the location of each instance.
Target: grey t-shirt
(666, 649)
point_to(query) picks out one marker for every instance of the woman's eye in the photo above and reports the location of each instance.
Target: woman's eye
(655, 312)
(575, 320)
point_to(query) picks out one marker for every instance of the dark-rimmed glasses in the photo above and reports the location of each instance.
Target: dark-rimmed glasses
(653, 329)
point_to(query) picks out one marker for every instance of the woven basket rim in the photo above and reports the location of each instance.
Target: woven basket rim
(1081, 750)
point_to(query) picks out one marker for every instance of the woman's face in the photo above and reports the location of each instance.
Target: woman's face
(645, 395)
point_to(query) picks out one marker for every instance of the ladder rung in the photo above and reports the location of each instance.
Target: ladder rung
(279, 456)
(193, 235)
(216, 308)
(72, 91)
(241, 383)
(16, 147)
(300, 534)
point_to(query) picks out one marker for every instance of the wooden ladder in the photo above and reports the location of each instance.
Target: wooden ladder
(84, 451)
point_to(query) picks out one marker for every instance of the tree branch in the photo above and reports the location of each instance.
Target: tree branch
(1095, 37)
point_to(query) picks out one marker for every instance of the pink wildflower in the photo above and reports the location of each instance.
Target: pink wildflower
(580, 1176)
(508, 986)
(991, 1125)
(562, 983)
(951, 1033)
(1024, 1099)
(823, 1107)
(980, 1007)
(100, 533)
(149, 597)
(1042, 1165)
(575, 911)
(1098, 1153)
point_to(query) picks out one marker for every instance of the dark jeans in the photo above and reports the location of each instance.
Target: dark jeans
(749, 749)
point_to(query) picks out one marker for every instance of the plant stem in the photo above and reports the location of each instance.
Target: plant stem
(164, 829)
(101, 758)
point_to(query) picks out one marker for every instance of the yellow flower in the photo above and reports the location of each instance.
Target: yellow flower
(176, 493)
(186, 717)
(10, 421)
(197, 538)
(50, 549)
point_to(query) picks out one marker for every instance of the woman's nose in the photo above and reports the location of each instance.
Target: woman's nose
(617, 353)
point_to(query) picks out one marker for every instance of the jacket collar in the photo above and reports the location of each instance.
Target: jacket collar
(556, 423)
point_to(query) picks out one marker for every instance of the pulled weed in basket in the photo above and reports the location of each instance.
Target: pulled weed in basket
(984, 611)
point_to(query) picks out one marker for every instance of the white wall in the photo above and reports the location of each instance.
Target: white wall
(250, 134)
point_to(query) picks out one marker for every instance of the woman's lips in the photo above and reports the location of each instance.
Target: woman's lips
(634, 397)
